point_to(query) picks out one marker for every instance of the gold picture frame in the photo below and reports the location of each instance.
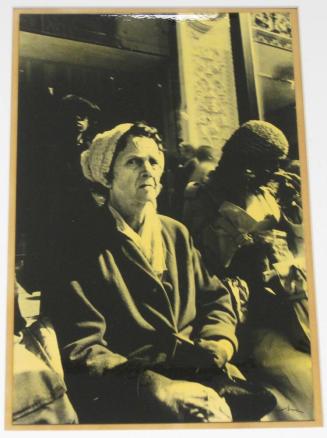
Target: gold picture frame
(44, 46)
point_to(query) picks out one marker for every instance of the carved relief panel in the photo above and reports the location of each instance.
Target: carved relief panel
(209, 109)
(273, 29)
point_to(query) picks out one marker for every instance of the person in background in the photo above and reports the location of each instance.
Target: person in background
(247, 222)
(77, 126)
(145, 333)
(187, 163)
(73, 124)
(66, 125)
(188, 160)
(206, 164)
(80, 119)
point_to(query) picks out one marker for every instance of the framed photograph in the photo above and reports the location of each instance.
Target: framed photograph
(160, 268)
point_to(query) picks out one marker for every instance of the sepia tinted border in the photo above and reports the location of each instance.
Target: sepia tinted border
(306, 223)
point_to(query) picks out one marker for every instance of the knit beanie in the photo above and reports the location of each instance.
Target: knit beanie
(97, 160)
(258, 138)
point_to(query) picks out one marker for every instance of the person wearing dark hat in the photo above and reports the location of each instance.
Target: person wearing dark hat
(80, 117)
(70, 204)
(77, 127)
(247, 222)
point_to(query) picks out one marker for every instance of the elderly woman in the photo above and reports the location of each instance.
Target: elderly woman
(145, 333)
(247, 221)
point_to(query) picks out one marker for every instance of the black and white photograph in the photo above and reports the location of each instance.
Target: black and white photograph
(160, 269)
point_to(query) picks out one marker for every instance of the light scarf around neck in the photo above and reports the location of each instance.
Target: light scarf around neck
(149, 237)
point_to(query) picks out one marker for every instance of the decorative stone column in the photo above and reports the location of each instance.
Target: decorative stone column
(208, 113)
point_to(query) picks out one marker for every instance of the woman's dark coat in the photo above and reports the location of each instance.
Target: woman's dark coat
(105, 297)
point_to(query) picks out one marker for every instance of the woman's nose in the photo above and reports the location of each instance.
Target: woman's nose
(146, 167)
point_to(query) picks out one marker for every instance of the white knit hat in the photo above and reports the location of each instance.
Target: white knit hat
(96, 161)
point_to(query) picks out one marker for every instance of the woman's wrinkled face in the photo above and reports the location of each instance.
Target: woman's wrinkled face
(137, 172)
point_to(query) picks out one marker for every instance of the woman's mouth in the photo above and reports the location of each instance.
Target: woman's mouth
(145, 185)
(149, 183)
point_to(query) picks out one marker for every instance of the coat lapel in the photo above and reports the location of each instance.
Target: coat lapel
(121, 244)
(173, 273)
(165, 310)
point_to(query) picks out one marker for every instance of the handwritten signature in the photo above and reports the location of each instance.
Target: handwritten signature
(289, 409)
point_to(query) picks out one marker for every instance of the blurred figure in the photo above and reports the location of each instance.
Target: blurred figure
(187, 163)
(205, 164)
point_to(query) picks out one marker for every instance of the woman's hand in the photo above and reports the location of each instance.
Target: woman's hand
(107, 360)
(289, 185)
(289, 194)
(221, 351)
(182, 400)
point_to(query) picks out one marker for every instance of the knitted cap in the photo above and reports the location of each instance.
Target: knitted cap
(97, 160)
(259, 137)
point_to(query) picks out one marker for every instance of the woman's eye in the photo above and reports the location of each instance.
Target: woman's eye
(133, 161)
(154, 162)
(139, 162)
